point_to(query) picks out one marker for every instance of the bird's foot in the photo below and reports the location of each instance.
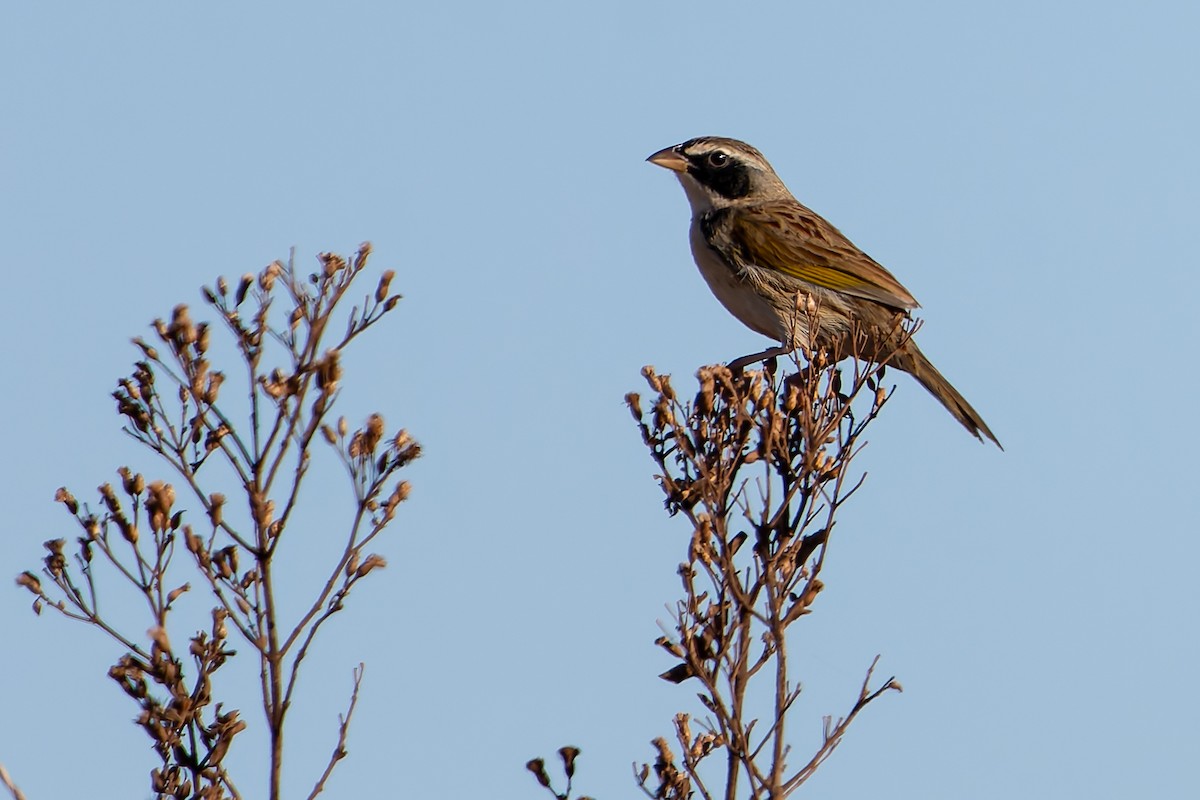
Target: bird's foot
(739, 364)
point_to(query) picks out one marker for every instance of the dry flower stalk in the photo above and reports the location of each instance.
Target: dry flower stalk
(759, 464)
(537, 766)
(171, 404)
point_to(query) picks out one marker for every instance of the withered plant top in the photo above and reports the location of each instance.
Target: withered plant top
(172, 404)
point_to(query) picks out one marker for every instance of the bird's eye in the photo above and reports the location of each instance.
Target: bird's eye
(718, 159)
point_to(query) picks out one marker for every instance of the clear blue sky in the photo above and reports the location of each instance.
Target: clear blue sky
(1029, 170)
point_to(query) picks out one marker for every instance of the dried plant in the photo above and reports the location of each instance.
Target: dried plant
(537, 766)
(257, 448)
(12, 787)
(759, 464)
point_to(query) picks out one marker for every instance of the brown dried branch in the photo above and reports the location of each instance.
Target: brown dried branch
(567, 755)
(7, 780)
(834, 731)
(339, 751)
(171, 403)
(759, 465)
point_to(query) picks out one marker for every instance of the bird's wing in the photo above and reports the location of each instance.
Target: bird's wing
(790, 238)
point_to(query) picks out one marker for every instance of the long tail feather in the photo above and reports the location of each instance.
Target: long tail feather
(913, 361)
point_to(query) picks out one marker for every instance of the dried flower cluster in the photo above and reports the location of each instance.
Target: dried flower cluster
(759, 464)
(172, 403)
(538, 767)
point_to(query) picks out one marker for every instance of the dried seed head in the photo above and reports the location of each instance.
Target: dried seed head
(670, 646)
(385, 281)
(538, 768)
(704, 398)
(67, 499)
(194, 543)
(147, 350)
(109, 497)
(266, 279)
(158, 505)
(568, 756)
(683, 725)
(399, 495)
(131, 483)
(30, 582)
(181, 330)
(375, 426)
(329, 372)
(811, 591)
(213, 390)
(369, 563)
(243, 287)
(226, 561)
(331, 263)
(219, 629)
(364, 252)
(634, 401)
(264, 511)
(213, 439)
(651, 378)
(371, 434)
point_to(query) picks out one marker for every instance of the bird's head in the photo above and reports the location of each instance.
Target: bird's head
(719, 173)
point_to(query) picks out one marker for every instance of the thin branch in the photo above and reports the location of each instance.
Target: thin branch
(339, 750)
(7, 780)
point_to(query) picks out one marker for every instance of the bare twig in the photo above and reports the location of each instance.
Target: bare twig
(753, 564)
(171, 404)
(7, 780)
(339, 751)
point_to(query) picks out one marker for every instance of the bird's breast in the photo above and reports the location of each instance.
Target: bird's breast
(735, 292)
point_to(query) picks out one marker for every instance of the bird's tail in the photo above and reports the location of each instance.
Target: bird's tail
(913, 361)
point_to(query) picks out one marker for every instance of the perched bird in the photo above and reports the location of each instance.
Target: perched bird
(767, 257)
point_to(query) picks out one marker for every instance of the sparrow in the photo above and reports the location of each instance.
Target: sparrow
(767, 257)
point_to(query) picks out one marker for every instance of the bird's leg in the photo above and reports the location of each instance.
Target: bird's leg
(772, 352)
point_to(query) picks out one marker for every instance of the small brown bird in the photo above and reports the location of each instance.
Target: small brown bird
(765, 255)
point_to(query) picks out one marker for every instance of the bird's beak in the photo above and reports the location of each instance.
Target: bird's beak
(668, 157)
